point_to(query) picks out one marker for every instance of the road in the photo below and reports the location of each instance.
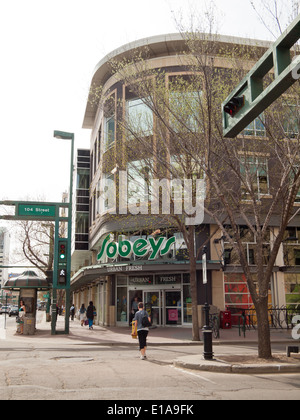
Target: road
(47, 371)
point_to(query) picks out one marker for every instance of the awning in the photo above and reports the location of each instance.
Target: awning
(27, 280)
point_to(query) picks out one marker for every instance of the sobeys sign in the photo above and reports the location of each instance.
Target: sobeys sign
(140, 248)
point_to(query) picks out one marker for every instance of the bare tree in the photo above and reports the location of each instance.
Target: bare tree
(252, 182)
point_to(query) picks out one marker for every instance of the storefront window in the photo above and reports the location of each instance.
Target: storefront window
(187, 304)
(237, 295)
(292, 290)
(122, 304)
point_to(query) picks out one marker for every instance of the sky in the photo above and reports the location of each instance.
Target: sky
(49, 50)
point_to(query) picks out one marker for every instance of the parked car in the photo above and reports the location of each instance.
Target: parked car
(13, 311)
(4, 309)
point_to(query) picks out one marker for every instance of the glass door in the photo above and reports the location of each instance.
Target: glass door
(173, 307)
(152, 302)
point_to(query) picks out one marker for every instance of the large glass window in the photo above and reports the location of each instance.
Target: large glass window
(291, 120)
(106, 194)
(139, 118)
(231, 256)
(254, 171)
(237, 296)
(83, 179)
(256, 128)
(139, 179)
(291, 246)
(187, 304)
(292, 290)
(122, 304)
(109, 132)
(184, 111)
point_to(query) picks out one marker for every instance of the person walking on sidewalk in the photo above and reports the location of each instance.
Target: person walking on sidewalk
(82, 315)
(142, 330)
(90, 313)
(72, 312)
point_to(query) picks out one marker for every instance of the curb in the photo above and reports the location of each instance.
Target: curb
(218, 366)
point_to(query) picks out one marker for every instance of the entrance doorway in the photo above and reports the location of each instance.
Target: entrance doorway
(173, 307)
(152, 301)
(164, 306)
(135, 296)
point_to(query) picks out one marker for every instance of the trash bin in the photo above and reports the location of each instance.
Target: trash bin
(225, 320)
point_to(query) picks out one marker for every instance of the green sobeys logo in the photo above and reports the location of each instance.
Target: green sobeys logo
(140, 248)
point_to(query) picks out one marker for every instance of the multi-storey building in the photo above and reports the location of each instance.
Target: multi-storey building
(81, 208)
(121, 263)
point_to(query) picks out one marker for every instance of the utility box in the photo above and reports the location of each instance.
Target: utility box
(225, 320)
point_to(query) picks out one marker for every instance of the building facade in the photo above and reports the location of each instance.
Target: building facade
(136, 257)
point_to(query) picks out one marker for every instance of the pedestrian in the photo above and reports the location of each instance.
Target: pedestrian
(142, 330)
(90, 313)
(72, 312)
(22, 313)
(82, 314)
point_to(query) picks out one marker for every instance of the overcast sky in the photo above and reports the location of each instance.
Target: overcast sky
(49, 50)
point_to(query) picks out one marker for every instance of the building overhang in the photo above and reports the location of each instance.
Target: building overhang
(97, 273)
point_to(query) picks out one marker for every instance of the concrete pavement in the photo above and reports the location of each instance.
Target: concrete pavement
(121, 336)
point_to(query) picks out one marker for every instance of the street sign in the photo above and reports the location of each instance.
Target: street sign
(36, 210)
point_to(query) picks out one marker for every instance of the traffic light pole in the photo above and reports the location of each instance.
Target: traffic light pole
(42, 211)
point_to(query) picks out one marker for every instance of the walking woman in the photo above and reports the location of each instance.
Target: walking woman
(82, 314)
(90, 313)
(22, 313)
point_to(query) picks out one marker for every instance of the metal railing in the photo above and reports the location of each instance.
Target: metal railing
(279, 317)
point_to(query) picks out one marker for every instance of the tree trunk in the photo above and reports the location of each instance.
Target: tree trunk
(264, 336)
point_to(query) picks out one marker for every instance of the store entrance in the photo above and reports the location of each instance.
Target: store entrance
(164, 306)
(173, 307)
(135, 296)
(152, 301)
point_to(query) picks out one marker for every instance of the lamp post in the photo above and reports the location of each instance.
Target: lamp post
(207, 331)
(64, 136)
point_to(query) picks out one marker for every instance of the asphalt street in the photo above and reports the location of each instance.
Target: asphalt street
(64, 368)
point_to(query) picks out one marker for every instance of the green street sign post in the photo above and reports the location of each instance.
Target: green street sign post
(51, 212)
(249, 99)
(41, 211)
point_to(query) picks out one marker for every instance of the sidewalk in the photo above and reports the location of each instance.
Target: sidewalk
(168, 336)
(159, 336)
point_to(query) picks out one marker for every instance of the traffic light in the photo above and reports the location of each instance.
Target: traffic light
(62, 251)
(62, 261)
(234, 105)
